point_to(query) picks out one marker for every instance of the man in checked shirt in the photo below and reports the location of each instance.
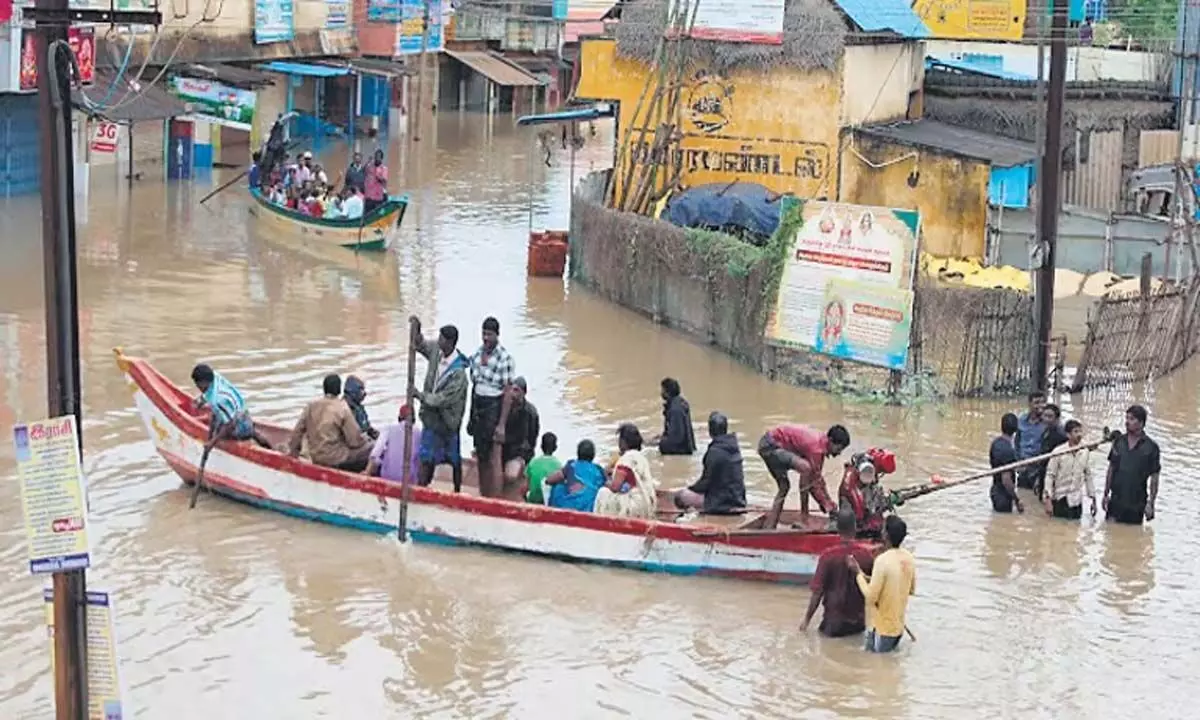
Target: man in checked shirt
(492, 372)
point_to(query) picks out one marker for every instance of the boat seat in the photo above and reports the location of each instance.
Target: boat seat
(722, 521)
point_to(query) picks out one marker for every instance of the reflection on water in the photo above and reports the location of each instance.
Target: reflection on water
(229, 612)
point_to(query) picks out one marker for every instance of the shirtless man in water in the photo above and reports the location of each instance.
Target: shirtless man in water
(802, 449)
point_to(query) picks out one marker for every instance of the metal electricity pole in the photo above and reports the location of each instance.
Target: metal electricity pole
(53, 19)
(421, 73)
(1048, 200)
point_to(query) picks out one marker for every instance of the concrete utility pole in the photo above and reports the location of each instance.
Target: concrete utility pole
(1048, 200)
(418, 105)
(52, 20)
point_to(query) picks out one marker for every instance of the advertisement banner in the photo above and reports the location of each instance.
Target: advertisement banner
(974, 20)
(83, 43)
(104, 137)
(412, 26)
(745, 21)
(337, 14)
(53, 495)
(103, 677)
(274, 21)
(222, 104)
(866, 323)
(870, 245)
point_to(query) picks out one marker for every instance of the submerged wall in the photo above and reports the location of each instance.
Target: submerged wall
(718, 290)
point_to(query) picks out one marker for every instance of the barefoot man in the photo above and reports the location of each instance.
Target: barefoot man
(802, 449)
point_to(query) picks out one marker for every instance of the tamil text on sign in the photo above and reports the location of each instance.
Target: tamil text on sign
(864, 245)
(52, 494)
(748, 21)
(865, 322)
(103, 680)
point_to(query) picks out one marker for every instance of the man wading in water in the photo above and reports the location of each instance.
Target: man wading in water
(833, 583)
(1132, 461)
(492, 372)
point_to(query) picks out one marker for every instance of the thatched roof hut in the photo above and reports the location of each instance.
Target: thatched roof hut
(814, 36)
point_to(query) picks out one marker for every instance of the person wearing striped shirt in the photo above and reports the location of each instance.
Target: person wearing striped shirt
(493, 372)
(230, 419)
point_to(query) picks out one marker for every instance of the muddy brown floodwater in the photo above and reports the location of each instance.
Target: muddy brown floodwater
(230, 612)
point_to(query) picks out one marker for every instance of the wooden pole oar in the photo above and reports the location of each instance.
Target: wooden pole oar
(407, 478)
(200, 473)
(903, 495)
(239, 176)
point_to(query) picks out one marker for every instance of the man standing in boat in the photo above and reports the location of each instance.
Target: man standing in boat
(443, 400)
(375, 183)
(802, 449)
(492, 372)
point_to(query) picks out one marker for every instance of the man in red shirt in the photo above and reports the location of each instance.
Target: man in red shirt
(803, 449)
(834, 584)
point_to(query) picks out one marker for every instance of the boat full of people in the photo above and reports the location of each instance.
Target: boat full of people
(258, 464)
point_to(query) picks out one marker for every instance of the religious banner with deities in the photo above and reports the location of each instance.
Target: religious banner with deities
(82, 41)
(846, 288)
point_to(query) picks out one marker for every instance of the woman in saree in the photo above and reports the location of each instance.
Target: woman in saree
(631, 490)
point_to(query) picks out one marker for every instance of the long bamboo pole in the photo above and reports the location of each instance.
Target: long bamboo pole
(905, 494)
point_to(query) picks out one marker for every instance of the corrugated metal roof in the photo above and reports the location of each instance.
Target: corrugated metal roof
(885, 16)
(126, 105)
(494, 68)
(227, 74)
(955, 140)
(972, 69)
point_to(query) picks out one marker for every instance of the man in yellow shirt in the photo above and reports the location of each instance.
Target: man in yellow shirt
(893, 579)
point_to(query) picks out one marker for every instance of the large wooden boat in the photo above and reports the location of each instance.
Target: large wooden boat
(733, 547)
(371, 233)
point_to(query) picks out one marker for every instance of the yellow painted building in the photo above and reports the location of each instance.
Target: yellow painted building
(781, 129)
(950, 174)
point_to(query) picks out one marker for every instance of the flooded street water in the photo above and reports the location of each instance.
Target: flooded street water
(230, 612)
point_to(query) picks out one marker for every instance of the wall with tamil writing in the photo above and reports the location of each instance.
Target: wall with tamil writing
(951, 193)
(779, 130)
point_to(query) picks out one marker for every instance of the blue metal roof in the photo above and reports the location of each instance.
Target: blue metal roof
(885, 15)
(590, 113)
(294, 68)
(975, 69)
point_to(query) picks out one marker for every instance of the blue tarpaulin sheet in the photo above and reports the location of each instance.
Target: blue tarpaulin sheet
(744, 209)
(294, 68)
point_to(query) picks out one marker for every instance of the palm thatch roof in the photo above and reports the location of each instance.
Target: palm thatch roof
(814, 37)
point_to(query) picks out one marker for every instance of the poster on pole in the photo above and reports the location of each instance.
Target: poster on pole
(217, 102)
(81, 40)
(866, 323)
(53, 495)
(874, 246)
(740, 21)
(274, 21)
(103, 680)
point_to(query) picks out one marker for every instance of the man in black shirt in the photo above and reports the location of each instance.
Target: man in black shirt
(1004, 452)
(677, 437)
(721, 489)
(1133, 460)
(521, 428)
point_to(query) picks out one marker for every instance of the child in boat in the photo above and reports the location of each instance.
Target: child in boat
(575, 486)
(540, 468)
